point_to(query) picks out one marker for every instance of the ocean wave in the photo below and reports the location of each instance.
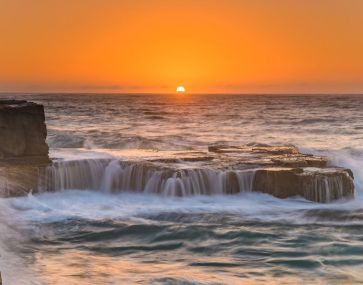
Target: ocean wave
(83, 237)
(247, 232)
(244, 208)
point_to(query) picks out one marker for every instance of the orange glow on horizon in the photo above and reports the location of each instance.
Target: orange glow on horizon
(210, 46)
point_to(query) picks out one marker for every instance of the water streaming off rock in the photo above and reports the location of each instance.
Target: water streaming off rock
(116, 176)
(113, 175)
(104, 218)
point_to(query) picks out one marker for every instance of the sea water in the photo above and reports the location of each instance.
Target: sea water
(93, 236)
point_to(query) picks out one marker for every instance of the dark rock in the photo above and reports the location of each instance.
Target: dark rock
(232, 184)
(23, 147)
(314, 184)
(282, 171)
(22, 131)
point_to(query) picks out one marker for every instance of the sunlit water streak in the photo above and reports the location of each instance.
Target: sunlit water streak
(95, 237)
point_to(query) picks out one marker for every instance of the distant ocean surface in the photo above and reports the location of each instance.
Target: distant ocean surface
(93, 237)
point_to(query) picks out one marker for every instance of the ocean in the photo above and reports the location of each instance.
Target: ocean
(88, 235)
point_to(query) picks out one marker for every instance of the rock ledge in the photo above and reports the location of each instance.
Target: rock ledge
(23, 147)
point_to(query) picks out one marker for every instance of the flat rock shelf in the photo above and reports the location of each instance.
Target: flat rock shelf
(279, 171)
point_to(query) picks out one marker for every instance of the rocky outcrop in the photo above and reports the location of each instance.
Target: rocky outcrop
(23, 132)
(281, 171)
(23, 147)
(314, 184)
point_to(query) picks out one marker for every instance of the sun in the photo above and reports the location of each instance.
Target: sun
(180, 89)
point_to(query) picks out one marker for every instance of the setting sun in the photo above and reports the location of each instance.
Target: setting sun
(180, 89)
(218, 138)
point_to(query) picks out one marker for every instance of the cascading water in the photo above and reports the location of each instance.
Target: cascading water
(327, 188)
(77, 174)
(115, 176)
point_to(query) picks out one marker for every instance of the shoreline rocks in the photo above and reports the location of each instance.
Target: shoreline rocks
(281, 171)
(23, 147)
(23, 132)
(314, 184)
(186, 173)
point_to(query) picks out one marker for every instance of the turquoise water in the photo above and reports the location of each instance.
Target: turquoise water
(93, 237)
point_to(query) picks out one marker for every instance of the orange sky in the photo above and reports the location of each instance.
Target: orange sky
(236, 46)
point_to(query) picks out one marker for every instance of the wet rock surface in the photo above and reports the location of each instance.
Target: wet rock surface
(19, 180)
(23, 147)
(279, 171)
(318, 185)
(282, 171)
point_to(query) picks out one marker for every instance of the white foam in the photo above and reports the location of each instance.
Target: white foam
(76, 204)
(12, 266)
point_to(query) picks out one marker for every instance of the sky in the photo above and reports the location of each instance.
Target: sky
(208, 46)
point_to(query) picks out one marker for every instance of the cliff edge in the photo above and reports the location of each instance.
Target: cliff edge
(23, 146)
(23, 132)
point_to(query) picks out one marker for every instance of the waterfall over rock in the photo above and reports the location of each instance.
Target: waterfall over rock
(279, 171)
(115, 176)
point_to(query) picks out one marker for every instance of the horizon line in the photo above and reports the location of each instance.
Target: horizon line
(174, 93)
